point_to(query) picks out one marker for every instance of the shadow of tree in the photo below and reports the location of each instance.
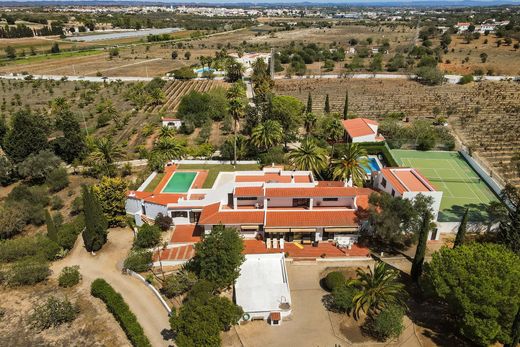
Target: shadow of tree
(477, 213)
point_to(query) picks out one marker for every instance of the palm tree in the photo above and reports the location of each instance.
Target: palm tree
(104, 154)
(308, 156)
(168, 148)
(350, 165)
(166, 131)
(333, 132)
(378, 288)
(267, 134)
(309, 120)
(237, 99)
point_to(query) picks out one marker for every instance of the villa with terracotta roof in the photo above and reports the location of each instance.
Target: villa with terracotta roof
(407, 183)
(269, 204)
(362, 130)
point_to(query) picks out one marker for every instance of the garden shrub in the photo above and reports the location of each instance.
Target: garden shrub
(28, 271)
(138, 261)
(179, 283)
(28, 246)
(387, 324)
(163, 222)
(56, 203)
(148, 236)
(12, 221)
(119, 308)
(466, 79)
(52, 313)
(57, 179)
(76, 206)
(68, 232)
(69, 276)
(334, 280)
(343, 296)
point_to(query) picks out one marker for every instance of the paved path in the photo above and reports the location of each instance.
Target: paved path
(106, 264)
(452, 79)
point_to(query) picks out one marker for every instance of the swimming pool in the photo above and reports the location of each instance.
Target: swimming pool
(204, 69)
(180, 182)
(373, 165)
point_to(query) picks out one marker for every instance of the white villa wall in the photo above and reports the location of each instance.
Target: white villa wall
(388, 188)
(152, 210)
(366, 138)
(132, 206)
(343, 201)
(172, 123)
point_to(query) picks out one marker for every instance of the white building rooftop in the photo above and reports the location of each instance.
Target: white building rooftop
(263, 285)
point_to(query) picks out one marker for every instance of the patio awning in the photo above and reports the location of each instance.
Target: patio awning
(303, 230)
(277, 230)
(341, 230)
(249, 227)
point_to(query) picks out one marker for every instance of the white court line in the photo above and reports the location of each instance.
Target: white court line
(469, 186)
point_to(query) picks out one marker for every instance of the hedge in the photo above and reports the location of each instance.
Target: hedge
(380, 148)
(119, 308)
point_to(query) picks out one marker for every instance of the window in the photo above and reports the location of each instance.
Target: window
(247, 198)
(301, 202)
(383, 182)
(180, 214)
(330, 199)
(393, 192)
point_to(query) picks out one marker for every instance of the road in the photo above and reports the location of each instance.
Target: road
(106, 264)
(452, 79)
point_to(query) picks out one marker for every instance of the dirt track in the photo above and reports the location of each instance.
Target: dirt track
(106, 264)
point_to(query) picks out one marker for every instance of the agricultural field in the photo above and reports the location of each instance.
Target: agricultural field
(464, 58)
(484, 114)
(175, 90)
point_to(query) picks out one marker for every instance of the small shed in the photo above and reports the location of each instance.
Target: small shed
(171, 122)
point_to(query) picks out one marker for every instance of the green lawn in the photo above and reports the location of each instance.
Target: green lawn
(450, 173)
(214, 169)
(150, 187)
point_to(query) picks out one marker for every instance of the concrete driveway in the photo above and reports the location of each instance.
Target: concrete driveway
(309, 324)
(106, 264)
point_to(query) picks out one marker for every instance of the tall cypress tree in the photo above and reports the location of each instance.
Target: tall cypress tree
(309, 103)
(95, 232)
(418, 260)
(52, 231)
(461, 232)
(327, 105)
(508, 232)
(345, 107)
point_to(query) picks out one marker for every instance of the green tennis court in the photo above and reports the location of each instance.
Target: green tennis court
(450, 173)
(180, 182)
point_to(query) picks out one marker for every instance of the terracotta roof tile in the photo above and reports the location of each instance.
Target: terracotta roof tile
(249, 191)
(211, 214)
(310, 218)
(316, 192)
(359, 127)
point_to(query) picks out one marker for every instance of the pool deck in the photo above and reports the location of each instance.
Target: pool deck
(170, 170)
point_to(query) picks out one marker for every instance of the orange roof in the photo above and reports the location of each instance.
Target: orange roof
(316, 192)
(211, 214)
(406, 180)
(310, 218)
(359, 127)
(275, 316)
(186, 233)
(331, 184)
(169, 119)
(153, 198)
(249, 191)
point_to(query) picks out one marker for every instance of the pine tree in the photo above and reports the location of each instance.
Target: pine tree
(327, 105)
(461, 232)
(95, 232)
(508, 232)
(52, 231)
(418, 260)
(345, 107)
(309, 103)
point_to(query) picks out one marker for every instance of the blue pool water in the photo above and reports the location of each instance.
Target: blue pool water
(204, 69)
(372, 166)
